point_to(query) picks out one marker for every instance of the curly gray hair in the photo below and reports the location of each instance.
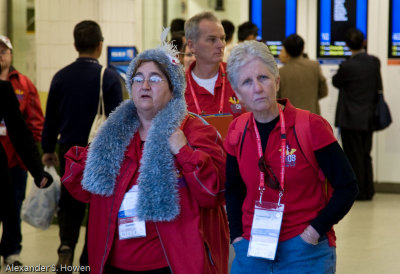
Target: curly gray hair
(246, 52)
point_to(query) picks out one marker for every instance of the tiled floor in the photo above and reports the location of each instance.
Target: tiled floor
(368, 239)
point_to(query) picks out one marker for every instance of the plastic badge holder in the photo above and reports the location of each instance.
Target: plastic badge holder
(265, 230)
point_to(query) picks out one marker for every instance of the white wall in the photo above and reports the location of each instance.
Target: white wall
(120, 21)
(3, 17)
(152, 23)
(123, 22)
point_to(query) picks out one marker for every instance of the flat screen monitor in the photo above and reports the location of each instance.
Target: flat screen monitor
(394, 29)
(335, 17)
(275, 19)
(119, 58)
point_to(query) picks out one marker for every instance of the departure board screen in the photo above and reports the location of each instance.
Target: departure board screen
(335, 17)
(120, 57)
(275, 19)
(394, 29)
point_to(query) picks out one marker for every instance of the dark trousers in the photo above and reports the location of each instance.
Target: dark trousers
(12, 236)
(71, 212)
(357, 145)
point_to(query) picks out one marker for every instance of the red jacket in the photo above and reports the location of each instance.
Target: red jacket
(29, 105)
(210, 104)
(198, 240)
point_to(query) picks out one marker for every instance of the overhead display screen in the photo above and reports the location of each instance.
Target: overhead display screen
(394, 29)
(335, 17)
(120, 57)
(275, 19)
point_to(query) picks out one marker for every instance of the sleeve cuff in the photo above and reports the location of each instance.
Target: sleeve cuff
(185, 158)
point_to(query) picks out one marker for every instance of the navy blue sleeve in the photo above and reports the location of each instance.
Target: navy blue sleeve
(112, 90)
(340, 174)
(339, 79)
(51, 127)
(235, 195)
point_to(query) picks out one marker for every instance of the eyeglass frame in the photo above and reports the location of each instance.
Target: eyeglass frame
(189, 54)
(147, 79)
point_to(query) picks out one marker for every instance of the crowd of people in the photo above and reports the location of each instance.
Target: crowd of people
(166, 192)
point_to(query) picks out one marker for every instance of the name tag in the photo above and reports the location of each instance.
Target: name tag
(129, 224)
(3, 128)
(265, 230)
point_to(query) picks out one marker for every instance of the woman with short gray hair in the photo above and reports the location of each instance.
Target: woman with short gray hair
(244, 53)
(281, 210)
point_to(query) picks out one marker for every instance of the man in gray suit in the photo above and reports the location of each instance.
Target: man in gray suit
(358, 80)
(302, 80)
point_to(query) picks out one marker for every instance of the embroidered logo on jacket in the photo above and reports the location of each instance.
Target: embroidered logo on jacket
(290, 158)
(19, 93)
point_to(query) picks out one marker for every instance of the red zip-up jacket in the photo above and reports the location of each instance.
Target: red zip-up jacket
(31, 110)
(197, 242)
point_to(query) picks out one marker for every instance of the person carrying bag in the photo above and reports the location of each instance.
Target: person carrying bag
(101, 114)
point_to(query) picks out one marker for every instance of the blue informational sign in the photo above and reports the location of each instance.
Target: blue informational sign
(119, 58)
(394, 29)
(335, 17)
(275, 19)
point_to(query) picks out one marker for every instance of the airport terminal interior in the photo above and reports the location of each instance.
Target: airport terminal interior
(41, 33)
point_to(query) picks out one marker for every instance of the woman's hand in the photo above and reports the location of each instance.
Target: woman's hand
(43, 183)
(50, 159)
(177, 141)
(310, 235)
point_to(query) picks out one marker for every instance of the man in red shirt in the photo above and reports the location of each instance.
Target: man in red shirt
(208, 89)
(29, 105)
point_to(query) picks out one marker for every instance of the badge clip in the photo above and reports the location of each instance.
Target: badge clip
(280, 196)
(261, 188)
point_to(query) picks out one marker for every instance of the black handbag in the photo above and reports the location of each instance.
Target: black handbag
(382, 114)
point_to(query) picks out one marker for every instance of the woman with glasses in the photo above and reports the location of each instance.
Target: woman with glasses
(187, 57)
(154, 177)
(280, 211)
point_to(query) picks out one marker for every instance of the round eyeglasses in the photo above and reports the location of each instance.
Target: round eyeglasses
(138, 80)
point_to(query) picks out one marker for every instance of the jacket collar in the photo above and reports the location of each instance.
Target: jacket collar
(158, 195)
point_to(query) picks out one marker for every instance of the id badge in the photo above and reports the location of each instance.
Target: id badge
(129, 224)
(3, 128)
(265, 230)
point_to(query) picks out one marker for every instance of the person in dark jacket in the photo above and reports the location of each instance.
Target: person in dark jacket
(22, 140)
(358, 80)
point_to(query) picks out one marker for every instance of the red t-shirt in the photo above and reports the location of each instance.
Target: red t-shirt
(138, 254)
(304, 196)
(208, 103)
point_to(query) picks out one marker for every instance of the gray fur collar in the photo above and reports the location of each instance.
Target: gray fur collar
(158, 194)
